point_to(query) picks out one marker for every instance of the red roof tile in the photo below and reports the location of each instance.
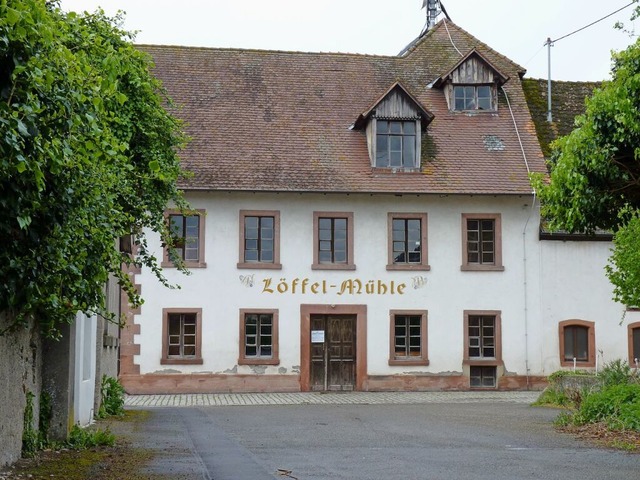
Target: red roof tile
(279, 121)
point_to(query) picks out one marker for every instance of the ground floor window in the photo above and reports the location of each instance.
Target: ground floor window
(258, 337)
(577, 343)
(181, 336)
(408, 337)
(634, 344)
(483, 347)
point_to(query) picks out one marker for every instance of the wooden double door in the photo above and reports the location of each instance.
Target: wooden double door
(333, 352)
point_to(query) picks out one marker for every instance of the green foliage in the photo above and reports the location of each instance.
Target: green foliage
(553, 397)
(82, 438)
(617, 372)
(616, 405)
(34, 439)
(595, 170)
(88, 153)
(46, 414)
(30, 437)
(624, 264)
(557, 375)
(112, 397)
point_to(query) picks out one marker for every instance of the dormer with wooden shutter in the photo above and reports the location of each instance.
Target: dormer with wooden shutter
(394, 125)
(472, 84)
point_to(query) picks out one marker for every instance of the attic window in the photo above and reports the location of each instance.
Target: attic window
(396, 143)
(472, 97)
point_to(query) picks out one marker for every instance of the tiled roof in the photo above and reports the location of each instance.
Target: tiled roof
(567, 102)
(279, 121)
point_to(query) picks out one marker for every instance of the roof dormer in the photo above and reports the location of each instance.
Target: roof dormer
(394, 126)
(472, 84)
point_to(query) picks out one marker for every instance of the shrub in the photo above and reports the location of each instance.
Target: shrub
(617, 372)
(112, 397)
(616, 405)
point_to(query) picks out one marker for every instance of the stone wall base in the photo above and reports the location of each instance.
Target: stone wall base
(176, 383)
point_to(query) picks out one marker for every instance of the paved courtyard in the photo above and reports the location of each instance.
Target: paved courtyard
(366, 436)
(331, 398)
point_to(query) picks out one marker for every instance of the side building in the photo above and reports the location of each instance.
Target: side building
(363, 223)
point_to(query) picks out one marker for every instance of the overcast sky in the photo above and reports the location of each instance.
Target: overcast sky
(515, 28)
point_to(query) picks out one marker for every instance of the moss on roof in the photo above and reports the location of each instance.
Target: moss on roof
(567, 102)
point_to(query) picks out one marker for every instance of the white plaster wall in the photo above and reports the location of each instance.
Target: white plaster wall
(218, 290)
(574, 286)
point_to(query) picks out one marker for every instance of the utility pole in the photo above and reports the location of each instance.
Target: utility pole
(549, 44)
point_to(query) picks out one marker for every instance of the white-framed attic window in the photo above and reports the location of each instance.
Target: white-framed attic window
(397, 143)
(394, 125)
(472, 84)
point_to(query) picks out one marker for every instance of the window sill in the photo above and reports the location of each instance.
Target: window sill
(258, 361)
(481, 362)
(482, 268)
(332, 266)
(181, 361)
(408, 267)
(260, 266)
(409, 362)
(186, 264)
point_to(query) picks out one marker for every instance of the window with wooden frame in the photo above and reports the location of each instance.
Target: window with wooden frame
(260, 239)
(483, 347)
(188, 234)
(407, 240)
(258, 337)
(181, 336)
(481, 242)
(408, 337)
(396, 143)
(473, 97)
(577, 341)
(633, 330)
(333, 241)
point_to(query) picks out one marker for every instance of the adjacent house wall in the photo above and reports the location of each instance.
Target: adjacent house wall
(20, 364)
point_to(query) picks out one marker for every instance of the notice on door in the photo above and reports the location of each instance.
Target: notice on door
(317, 336)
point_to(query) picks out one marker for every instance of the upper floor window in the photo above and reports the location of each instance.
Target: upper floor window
(333, 240)
(259, 239)
(187, 232)
(472, 97)
(481, 242)
(407, 241)
(396, 144)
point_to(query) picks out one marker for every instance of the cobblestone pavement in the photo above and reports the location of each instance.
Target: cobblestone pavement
(331, 398)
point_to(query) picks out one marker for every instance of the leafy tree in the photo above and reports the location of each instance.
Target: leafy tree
(88, 153)
(595, 173)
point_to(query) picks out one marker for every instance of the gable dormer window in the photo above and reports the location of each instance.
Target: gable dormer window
(396, 143)
(394, 125)
(472, 84)
(473, 97)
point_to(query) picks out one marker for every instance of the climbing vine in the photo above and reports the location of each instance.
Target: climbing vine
(88, 154)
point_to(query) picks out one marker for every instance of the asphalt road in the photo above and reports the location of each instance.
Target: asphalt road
(431, 441)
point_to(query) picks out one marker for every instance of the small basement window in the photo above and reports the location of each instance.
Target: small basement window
(482, 377)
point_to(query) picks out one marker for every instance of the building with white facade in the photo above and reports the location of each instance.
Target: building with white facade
(364, 223)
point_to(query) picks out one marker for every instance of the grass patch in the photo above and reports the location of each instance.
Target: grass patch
(98, 458)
